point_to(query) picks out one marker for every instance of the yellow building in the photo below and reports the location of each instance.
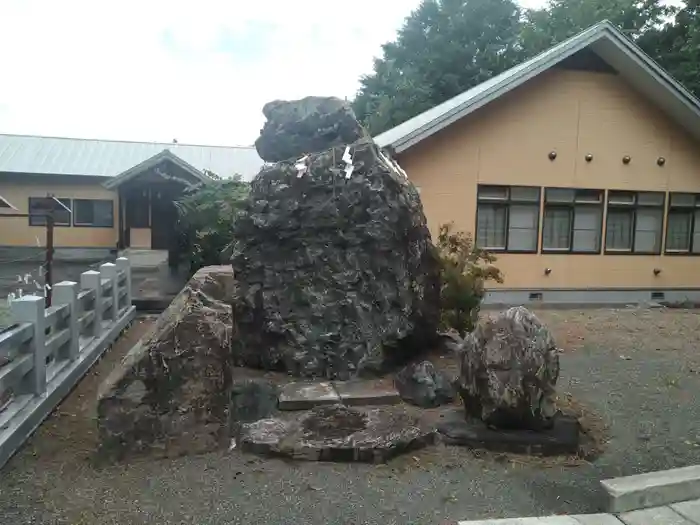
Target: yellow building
(579, 168)
(120, 194)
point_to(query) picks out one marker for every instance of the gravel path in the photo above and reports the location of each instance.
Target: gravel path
(639, 369)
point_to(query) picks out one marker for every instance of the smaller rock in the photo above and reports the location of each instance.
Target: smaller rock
(169, 396)
(450, 342)
(251, 400)
(509, 370)
(422, 385)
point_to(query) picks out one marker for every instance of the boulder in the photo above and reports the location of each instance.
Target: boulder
(312, 124)
(508, 371)
(337, 273)
(422, 385)
(171, 391)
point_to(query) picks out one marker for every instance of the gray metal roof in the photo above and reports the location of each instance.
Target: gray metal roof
(109, 158)
(604, 39)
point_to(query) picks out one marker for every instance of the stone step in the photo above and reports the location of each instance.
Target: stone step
(304, 395)
(364, 393)
(578, 519)
(653, 489)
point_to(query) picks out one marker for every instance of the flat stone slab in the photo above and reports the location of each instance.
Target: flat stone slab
(654, 516)
(578, 519)
(688, 509)
(338, 433)
(363, 393)
(546, 520)
(596, 519)
(653, 489)
(304, 395)
(563, 438)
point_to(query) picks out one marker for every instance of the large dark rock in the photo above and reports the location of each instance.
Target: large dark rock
(339, 433)
(422, 385)
(312, 124)
(508, 371)
(170, 394)
(337, 276)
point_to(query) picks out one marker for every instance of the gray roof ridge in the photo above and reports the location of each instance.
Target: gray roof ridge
(92, 139)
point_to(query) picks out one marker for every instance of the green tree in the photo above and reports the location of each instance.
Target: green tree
(561, 19)
(676, 45)
(444, 48)
(205, 219)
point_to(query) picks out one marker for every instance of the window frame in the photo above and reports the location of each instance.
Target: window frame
(32, 218)
(634, 206)
(85, 225)
(506, 203)
(571, 208)
(693, 209)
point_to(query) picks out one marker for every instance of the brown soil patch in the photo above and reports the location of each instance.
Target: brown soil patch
(334, 422)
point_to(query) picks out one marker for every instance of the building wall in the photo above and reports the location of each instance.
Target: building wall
(16, 232)
(574, 113)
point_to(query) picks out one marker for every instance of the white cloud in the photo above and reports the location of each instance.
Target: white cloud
(164, 69)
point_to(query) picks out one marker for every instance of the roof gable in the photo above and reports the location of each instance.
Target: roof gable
(604, 40)
(155, 160)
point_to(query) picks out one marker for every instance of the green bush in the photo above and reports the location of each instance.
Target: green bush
(464, 271)
(205, 220)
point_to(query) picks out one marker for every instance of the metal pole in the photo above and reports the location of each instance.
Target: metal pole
(48, 283)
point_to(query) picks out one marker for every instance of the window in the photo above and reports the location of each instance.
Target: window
(507, 218)
(634, 222)
(683, 228)
(96, 213)
(40, 205)
(573, 220)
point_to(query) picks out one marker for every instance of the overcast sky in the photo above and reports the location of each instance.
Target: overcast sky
(156, 70)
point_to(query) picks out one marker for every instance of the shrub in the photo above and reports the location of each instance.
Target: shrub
(464, 271)
(205, 219)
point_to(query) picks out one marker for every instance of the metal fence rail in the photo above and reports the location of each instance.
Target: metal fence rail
(48, 350)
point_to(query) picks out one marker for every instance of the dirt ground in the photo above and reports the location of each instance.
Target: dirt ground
(635, 373)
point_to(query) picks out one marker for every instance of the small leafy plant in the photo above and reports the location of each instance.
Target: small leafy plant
(205, 219)
(464, 271)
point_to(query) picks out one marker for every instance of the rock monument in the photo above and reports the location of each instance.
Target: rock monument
(333, 258)
(508, 372)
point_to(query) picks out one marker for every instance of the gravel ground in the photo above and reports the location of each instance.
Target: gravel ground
(638, 369)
